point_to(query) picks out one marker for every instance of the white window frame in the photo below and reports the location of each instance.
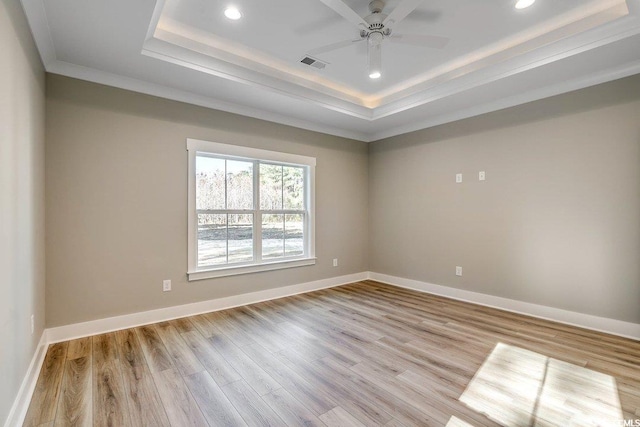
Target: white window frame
(195, 146)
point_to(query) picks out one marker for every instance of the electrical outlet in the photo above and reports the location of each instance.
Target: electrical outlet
(166, 285)
(458, 270)
(481, 176)
(33, 324)
(335, 262)
(458, 178)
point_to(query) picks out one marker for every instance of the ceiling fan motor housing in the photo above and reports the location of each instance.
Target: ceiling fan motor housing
(375, 21)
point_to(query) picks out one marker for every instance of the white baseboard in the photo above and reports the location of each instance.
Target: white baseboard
(600, 324)
(110, 324)
(23, 399)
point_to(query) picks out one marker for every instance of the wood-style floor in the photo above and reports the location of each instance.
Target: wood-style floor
(362, 354)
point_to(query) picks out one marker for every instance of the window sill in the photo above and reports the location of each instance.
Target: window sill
(247, 269)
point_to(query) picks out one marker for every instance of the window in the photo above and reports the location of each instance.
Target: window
(249, 210)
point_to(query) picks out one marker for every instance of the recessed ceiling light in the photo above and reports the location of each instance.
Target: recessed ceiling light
(375, 75)
(521, 4)
(233, 13)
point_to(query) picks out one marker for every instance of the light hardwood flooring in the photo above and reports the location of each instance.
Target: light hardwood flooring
(361, 354)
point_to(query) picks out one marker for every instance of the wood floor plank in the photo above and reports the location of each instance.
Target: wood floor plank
(43, 405)
(179, 404)
(221, 371)
(362, 354)
(181, 355)
(251, 407)
(182, 324)
(253, 374)
(324, 344)
(338, 417)
(110, 405)
(79, 348)
(261, 332)
(213, 403)
(313, 398)
(330, 339)
(155, 352)
(145, 406)
(380, 394)
(292, 412)
(267, 312)
(369, 413)
(75, 403)
(226, 321)
(204, 326)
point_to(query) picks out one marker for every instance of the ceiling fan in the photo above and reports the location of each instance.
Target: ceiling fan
(376, 27)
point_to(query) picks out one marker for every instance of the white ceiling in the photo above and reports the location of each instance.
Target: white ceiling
(187, 50)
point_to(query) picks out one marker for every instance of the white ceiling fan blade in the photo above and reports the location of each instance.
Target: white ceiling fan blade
(333, 46)
(434, 42)
(345, 11)
(401, 11)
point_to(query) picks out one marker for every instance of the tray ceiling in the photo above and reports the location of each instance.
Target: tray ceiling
(497, 56)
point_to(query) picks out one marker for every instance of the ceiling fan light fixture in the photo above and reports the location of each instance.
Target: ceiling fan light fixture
(374, 53)
(232, 13)
(523, 4)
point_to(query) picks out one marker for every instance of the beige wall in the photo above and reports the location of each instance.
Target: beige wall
(21, 200)
(557, 222)
(116, 176)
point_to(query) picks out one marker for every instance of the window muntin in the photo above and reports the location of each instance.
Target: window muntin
(248, 211)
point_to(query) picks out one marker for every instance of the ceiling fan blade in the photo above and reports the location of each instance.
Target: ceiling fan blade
(401, 11)
(345, 11)
(434, 42)
(333, 46)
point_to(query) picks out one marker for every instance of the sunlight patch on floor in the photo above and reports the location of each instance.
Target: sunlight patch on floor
(457, 422)
(518, 387)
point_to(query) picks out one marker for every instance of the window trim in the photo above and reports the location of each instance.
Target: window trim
(194, 146)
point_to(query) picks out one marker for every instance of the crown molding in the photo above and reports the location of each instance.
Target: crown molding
(161, 91)
(37, 19)
(521, 98)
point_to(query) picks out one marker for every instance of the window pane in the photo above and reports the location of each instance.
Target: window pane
(270, 187)
(210, 183)
(293, 179)
(272, 236)
(212, 240)
(239, 184)
(240, 238)
(293, 235)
